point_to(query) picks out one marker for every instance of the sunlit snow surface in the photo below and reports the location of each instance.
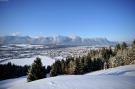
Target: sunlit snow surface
(115, 78)
(28, 61)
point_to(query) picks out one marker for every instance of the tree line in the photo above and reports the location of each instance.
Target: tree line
(95, 60)
(103, 58)
(12, 71)
(80, 65)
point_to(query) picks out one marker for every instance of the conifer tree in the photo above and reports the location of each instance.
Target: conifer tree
(133, 44)
(81, 63)
(36, 71)
(56, 68)
(87, 64)
(123, 46)
(117, 47)
(48, 69)
(63, 66)
(77, 66)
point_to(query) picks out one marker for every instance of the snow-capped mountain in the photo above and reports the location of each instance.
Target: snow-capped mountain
(57, 40)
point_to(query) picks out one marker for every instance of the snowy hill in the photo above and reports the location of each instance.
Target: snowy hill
(116, 78)
(28, 61)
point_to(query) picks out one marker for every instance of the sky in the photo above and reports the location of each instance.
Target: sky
(111, 19)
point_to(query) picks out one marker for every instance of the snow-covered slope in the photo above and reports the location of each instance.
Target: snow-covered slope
(5, 84)
(116, 78)
(128, 70)
(28, 61)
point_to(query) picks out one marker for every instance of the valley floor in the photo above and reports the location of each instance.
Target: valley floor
(122, 77)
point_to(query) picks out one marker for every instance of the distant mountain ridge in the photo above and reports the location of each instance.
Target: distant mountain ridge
(57, 40)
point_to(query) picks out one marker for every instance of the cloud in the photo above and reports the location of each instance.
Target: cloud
(15, 33)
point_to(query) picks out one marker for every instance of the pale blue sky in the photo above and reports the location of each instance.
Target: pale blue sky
(113, 19)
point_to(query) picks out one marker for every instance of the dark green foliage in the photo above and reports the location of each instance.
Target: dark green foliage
(94, 53)
(110, 52)
(56, 68)
(117, 47)
(106, 53)
(12, 71)
(123, 46)
(98, 64)
(63, 66)
(36, 71)
(133, 44)
(87, 64)
(120, 47)
(48, 69)
(80, 65)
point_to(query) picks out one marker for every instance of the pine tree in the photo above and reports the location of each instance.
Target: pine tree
(48, 69)
(36, 71)
(56, 68)
(68, 63)
(100, 64)
(81, 68)
(87, 64)
(77, 66)
(63, 66)
(117, 47)
(71, 67)
(110, 51)
(133, 44)
(123, 46)
(105, 54)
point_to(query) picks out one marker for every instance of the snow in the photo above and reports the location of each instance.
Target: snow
(122, 77)
(5, 84)
(20, 46)
(59, 58)
(26, 45)
(28, 61)
(119, 71)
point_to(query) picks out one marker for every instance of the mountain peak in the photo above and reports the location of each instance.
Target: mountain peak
(58, 40)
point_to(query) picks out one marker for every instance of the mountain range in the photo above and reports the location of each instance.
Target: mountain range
(57, 40)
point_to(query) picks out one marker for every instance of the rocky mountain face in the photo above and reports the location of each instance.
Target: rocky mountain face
(58, 40)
